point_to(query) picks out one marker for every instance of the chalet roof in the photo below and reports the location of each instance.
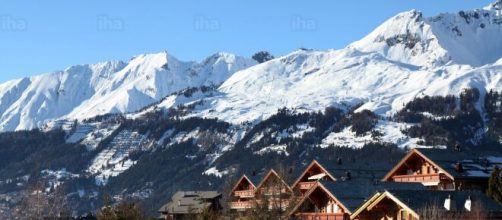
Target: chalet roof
(255, 180)
(353, 193)
(475, 163)
(417, 201)
(358, 170)
(270, 173)
(185, 202)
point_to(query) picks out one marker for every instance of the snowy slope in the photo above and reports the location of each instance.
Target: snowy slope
(406, 57)
(466, 37)
(85, 91)
(27, 102)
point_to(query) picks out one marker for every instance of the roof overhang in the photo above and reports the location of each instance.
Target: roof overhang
(243, 177)
(314, 162)
(317, 177)
(414, 151)
(377, 198)
(318, 185)
(269, 174)
(430, 183)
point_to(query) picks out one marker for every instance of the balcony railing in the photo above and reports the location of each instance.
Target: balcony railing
(244, 193)
(241, 205)
(319, 216)
(422, 178)
(274, 191)
(306, 185)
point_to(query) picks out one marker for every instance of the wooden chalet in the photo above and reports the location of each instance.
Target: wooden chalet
(414, 205)
(335, 170)
(243, 193)
(446, 169)
(318, 203)
(328, 200)
(187, 204)
(274, 190)
(313, 173)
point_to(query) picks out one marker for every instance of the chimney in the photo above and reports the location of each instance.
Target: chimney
(447, 203)
(339, 161)
(457, 147)
(468, 204)
(254, 173)
(348, 175)
(459, 167)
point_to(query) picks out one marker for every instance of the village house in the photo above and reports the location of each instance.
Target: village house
(242, 195)
(332, 190)
(446, 169)
(328, 200)
(274, 191)
(322, 170)
(310, 176)
(411, 205)
(251, 190)
(187, 204)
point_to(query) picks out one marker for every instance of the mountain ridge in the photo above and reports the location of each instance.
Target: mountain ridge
(84, 91)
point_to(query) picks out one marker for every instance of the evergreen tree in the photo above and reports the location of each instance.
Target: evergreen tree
(495, 185)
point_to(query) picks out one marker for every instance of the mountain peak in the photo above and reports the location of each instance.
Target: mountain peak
(497, 5)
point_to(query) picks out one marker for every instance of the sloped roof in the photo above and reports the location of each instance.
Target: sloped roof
(417, 201)
(270, 173)
(475, 163)
(358, 170)
(353, 193)
(299, 173)
(255, 180)
(414, 201)
(184, 202)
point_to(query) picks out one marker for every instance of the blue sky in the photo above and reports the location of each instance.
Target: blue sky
(43, 36)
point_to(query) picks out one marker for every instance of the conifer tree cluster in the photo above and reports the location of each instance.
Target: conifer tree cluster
(495, 186)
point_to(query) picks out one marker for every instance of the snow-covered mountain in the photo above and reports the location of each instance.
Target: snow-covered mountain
(407, 56)
(85, 91)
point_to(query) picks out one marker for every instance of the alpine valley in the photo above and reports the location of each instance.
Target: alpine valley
(145, 128)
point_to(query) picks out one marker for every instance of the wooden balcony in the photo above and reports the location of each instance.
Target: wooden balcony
(420, 178)
(244, 193)
(241, 205)
(306, 185)
(320, 216)
(274, 191)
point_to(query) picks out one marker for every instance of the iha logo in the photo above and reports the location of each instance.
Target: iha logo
(106, 23)
(299, 23)
(12, 24)
(203, 23)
